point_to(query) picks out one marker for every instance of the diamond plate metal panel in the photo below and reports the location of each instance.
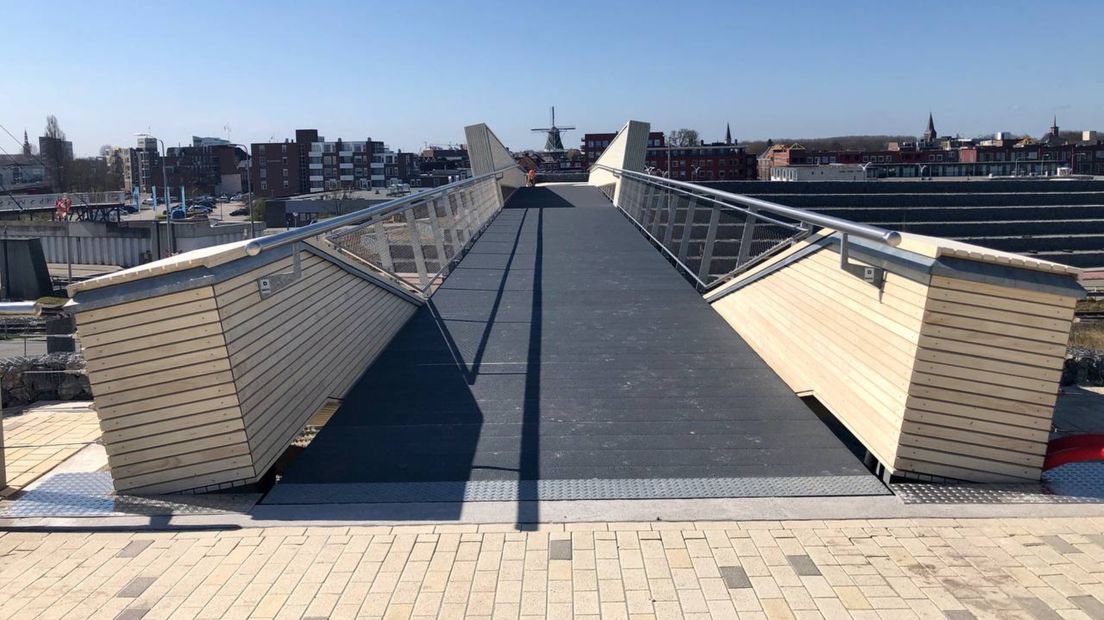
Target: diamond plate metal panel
(1075, 483)
(592, 489)
(91, 494)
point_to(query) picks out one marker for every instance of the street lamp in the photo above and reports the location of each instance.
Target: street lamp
(249, 158)
(168, 194)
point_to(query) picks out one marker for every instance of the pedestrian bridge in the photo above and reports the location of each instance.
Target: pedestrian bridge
(628, 337)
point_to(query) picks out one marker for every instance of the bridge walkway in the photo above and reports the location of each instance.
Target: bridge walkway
(565, 358)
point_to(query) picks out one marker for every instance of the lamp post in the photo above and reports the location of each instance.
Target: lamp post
(168, 194)
(249, 158)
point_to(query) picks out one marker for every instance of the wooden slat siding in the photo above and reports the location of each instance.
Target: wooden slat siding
(160, 376)
(187, 390)
(267, 386)
(270, 441)
(827, 332)
(139, 344)
(130, 320)
(948, 378)
(1017, 389)
(285, 367)
(255, 371)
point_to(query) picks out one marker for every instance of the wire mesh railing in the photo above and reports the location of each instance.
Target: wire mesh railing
(713, 236)
(419, 243)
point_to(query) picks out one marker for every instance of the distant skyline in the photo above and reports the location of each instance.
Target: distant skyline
(417, 72)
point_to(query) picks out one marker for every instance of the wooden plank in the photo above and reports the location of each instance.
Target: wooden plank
(996, 423)
(964, 468)
(149, 329)
(119, 439)
(259, 314)
(970, 399)
(1010, 305)
(990, 339)
(1000, 365)
(128, 321)
(141, 345)
(990, 390)
(1014, 294)
(160, 365)
(986, 379)
(272, 439)
(158, 452)
(205, 397)
(935, 319)
(151, 469)
(174, 376)
(974, 451)
(90, 317)
(274, 380)
(102, 363)
(267, 369)
(334, 297)
(996, 314)
(183, 478)
(200, 481)
(146, 399)
(938, 348)
(240, 300)
(1032, 442)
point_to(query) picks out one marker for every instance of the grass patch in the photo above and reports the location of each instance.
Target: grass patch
(1088, 335)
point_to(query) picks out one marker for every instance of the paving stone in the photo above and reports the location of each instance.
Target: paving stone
(559, 550)
(803, 565)
(136, 587)
(735, 577)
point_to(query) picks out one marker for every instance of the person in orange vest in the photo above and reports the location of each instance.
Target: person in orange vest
(532, 176)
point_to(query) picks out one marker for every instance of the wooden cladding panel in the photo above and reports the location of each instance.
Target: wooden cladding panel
(948, 378)
(987, 388)
(829, 333)
(160, 376)
(299, 346)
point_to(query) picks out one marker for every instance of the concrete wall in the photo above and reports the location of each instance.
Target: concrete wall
(949, 369)
(626, 151)
(124, 244)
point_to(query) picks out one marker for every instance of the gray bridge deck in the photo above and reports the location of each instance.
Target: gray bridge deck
(566, 359)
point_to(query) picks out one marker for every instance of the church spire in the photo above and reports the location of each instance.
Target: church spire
(929, 134)
(26, 144)
(1054, 127)
(728, 133)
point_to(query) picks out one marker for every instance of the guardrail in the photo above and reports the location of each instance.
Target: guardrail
(714, 235)
(414, 240)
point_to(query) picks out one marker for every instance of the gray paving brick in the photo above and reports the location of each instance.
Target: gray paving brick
(1060, 545)
(559, 550)
(1037, 608)
(136, 587)
(803, 565)
(1090, 605)
(133, 549)
(735, 577)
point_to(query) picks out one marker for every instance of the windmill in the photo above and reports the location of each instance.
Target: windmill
(553, 144)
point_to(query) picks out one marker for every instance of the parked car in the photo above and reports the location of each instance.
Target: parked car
(241, 211)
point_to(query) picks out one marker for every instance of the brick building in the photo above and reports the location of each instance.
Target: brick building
(310, 164)
(718, 161)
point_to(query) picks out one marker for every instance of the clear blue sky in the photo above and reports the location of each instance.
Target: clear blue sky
(415, 72)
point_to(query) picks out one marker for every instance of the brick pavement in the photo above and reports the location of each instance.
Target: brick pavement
(905, 568)
(44, 436)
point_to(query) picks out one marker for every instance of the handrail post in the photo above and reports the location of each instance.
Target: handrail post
(710, 240)
(416, 248)
(747, 237)
(687, 229)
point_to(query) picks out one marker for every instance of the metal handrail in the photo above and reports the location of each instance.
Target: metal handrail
(260, 244)
(889, 237)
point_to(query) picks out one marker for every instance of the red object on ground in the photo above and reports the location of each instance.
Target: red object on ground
(1074, 449)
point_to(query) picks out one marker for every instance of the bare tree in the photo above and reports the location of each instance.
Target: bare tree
(57, 153)
(683, 137)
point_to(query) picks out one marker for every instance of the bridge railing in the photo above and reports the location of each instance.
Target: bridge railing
(714, 235)
(413, 241)
(204, 366)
